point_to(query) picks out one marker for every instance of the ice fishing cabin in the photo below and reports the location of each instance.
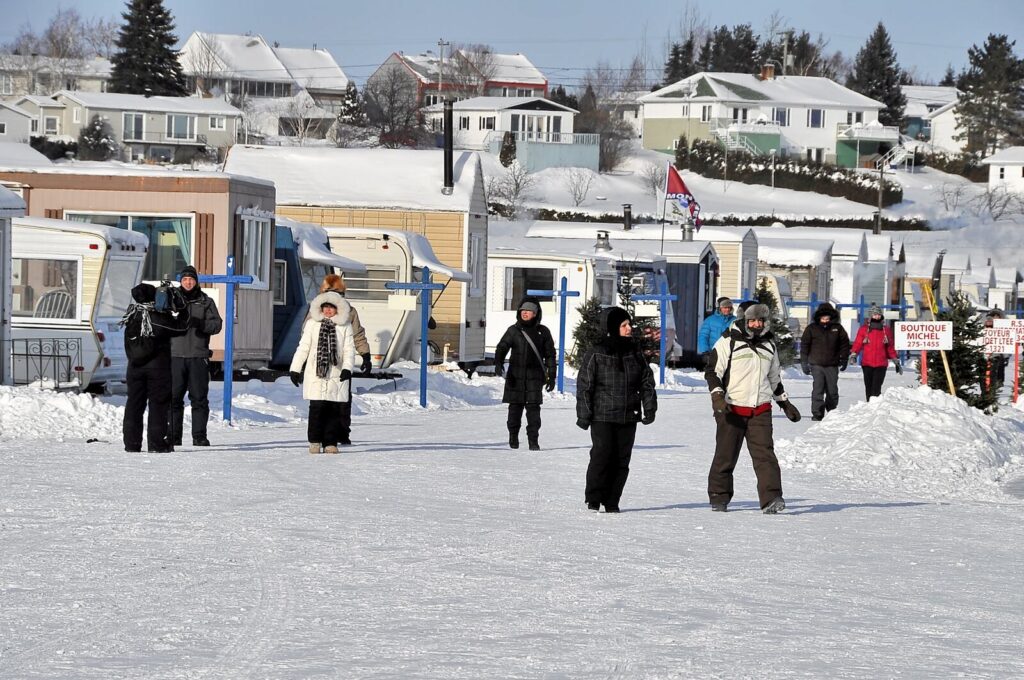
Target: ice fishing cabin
(805, 265)
(392, 318)
(71, 283)
(302, 258)
(189, 217)
(394, 189)
(11, 206)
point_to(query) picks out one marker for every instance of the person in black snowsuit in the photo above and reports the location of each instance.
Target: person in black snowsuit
(531, 369)
(824, 351)
(190, 360)
(147, 344)
(614, 390)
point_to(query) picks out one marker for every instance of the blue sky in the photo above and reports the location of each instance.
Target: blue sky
(564, 37)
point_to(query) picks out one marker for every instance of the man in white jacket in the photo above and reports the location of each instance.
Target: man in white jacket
(743, 376)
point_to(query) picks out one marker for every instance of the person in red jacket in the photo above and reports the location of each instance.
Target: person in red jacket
(874, 344)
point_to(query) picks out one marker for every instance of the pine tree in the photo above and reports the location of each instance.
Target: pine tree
(784, 340)
(96, 141)
(507, 154)
(993, 97)
(966, 359)
(145, 62)
(560, 96)
(683, 153)
(721, 55)
(680, 62)
(876, 74)
(704, 57)
(949, 79)
(588, 331)
(743, 50)
(352, 107)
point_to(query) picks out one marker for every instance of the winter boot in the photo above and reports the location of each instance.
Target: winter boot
(774, 507)
(611, 508)
(330, 449)
(200, 441)
(594, 507)
(513, 440)
(719, 507)
(314, 447)
(534, 444)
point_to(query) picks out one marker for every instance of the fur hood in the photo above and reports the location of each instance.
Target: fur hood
(344, 310)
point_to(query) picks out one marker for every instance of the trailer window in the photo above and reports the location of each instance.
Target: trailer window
(170, 239)
(518, 280)
(370, 286)
(44, 288)
(278, 282)
(116, 293)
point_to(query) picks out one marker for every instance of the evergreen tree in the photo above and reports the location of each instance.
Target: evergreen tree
(96, 141)
(784, 340)
(145, 61)
(876, 74)
(990, 108)
(588, 331)
(683, 153)
(967, 358)
(645, 328)
(949, 79)
(743, 50)
(507, 154)
(704, 57)
(680, 62)
(560, 96)
(352, 107)
(721, 56)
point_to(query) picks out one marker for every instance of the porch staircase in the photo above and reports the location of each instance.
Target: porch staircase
(733, 141)
(895, 156)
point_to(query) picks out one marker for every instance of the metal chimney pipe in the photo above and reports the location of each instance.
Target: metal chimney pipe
(449, 115)
(627, 216)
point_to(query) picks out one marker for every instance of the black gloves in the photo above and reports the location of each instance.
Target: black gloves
(367, 362)
(899, 366)
(550, 384)
(195, 322)
(718, 402)
(806, 368)
(499, 370)
(791, 411)
(345, 375)
(648, 418)
(296, 378)
(582, 424)
(842, 366)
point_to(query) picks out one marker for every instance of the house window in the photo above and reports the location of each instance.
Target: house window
(739, 115)
(6, 84)
(254, 251)
(45, 288)
(686, 111)
(170, 239)
(463, 122)
(518, 280)
(34, 125)
(815, 118)
(437, 124)
(781, 117)
(854, 117)
(524, 92)
(1002, 173)
(50, 125)
(3, 128)
(705, 113)
(815, 155)
(217, 123)
(133, 127)
(181, 127)
(76, 115)
(431, 99)
(279, 281)
(487, 122)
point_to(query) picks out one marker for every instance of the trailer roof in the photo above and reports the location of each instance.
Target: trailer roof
(111, 235)
(419, 247)
(312, 245)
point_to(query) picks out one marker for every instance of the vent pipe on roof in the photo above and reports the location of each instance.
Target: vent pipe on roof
(603, 244)
(768, 72)
(449, 181)
(627, 216)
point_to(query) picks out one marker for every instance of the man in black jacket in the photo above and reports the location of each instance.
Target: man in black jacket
(824, 351)
(190, 360)
(531, 369)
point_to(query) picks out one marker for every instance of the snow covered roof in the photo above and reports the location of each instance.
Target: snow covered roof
(312, 242)
(15, 109)
(880, 247)
(360, 178)
(11, 204)
(14, 155)
(808, 91)
(419, 247)
(786, 252)
(312, 69)
(923, 99)
(511, 68)
(649, 232)
(247, 57)
(848, 243)
(1013, 155)
(1008, 276)
(112, 235)
(956, 260)
(138, 102)
(40, 101)
(568, 249)
(500, 104)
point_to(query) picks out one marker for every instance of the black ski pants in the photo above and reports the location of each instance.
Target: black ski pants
(824, 389)
(191, 374)
(515, 419)
(874, 376)
(733, 430)
(610, 453)
(148, 385)
(324, 422)
(345, 417)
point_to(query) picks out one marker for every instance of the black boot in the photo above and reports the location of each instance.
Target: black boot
(534, 444)
(513, 440)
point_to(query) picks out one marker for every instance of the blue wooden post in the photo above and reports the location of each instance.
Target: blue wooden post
(663, 299)
(425, 290)
(229, 324)
(562, 293)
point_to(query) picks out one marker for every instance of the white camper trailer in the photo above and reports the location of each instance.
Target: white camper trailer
(71, 283)
(391, 318)
(11, 206)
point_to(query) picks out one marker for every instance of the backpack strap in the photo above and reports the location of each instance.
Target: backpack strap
(536, 352)
(728, 367)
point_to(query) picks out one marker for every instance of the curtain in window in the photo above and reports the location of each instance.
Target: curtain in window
(183, 230)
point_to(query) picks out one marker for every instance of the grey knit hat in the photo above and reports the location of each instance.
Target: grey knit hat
(875, 309)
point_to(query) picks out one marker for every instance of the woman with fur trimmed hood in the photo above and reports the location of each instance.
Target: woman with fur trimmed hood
(326, 350)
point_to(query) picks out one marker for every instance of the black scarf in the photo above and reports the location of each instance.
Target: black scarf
(326, 349)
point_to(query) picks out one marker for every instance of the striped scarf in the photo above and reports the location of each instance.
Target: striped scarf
(142, 310)
(326, 349)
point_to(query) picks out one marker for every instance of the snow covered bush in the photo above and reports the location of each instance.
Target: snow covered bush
(96, 141)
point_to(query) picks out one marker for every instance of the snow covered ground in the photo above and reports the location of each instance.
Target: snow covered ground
(430, 550)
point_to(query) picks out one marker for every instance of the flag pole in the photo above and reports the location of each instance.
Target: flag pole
(664, 200)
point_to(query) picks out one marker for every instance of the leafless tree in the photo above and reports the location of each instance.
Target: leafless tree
(996, 203)
(300, 118)
(205, 63)
(951, 194)
(470, 68)
(514, 188)
(653, 177)
(101, 37)
(635, 78)
(577, 182)
(391, 105)
(603, 80)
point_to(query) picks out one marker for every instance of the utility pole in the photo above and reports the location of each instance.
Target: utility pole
(441, 44)
(881, 189)
(786, 35)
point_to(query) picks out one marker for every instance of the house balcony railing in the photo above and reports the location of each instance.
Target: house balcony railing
(749, 127)
(161, 138)
(582, 138)
(873, 131)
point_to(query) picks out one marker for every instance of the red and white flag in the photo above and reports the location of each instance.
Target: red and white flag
(680, 198)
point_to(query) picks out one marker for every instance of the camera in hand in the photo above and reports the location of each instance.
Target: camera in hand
(169, 298)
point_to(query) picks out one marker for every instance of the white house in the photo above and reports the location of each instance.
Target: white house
(923, 100)
(15, 123)
(1006, 169)
(11, 206)
(796, 116)
(945, 130)
(1005, 294)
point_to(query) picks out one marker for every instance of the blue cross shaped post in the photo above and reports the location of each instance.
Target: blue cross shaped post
(425, 289)
(663, 298)
(861, 307)
(229, 324)
(562, 293)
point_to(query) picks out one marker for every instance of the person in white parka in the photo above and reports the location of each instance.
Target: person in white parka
(326, 350)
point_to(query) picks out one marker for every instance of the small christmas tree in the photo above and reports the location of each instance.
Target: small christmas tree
(967, 358)
(683, 153)
(508, 149)
(352, 107)
(784, 341)
(588, 331)
(96, 141)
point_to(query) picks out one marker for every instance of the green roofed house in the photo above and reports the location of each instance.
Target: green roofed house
(786, 116)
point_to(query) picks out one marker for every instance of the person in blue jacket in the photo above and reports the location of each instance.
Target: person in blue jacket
(713, 327)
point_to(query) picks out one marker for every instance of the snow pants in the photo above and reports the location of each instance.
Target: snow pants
(874, 376)
(611, 450)
(148, 385)
(324, 422)
(345, 418)
(515, 419)
(733, 430)
(824, 390)
(191, 374)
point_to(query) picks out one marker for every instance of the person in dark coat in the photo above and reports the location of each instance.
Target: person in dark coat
(147, 344)
(876, 346)
(531, 369)
(190, 359)
(614, 390)
(824, 351)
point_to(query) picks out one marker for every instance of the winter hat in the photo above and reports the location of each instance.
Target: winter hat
(529, 306)
(744, 306)
(873, 310)
(757, 311)
(189, 271)
(614, 316)
(143, 293)
(825, 309)
(723, 302)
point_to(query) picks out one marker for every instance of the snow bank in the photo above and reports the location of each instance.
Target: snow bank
(32, 413)
(913, 440)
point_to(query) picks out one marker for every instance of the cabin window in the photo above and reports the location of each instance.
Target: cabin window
(34, 125)
(487, 122)
(3, 128)
(705, 113)
(463, 122)
(170, 239)
(1002, 173)
(279, 282)
(45, 288)
(116, 292)
(254, 251)
(780, 116)
(370, 286)
(518, 280)
(854, 117)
